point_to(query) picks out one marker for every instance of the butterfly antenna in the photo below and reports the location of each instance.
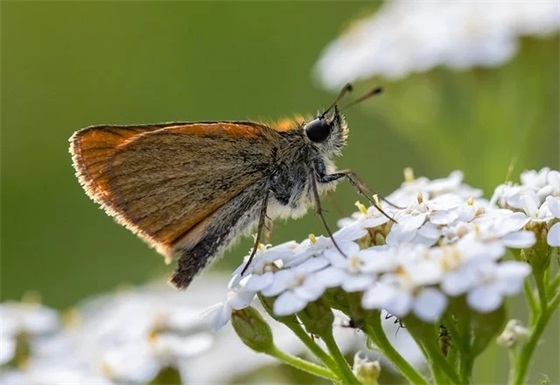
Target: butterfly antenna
(367, 95)
(343, 92)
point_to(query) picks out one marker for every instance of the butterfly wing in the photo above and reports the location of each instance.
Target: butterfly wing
(165, 181)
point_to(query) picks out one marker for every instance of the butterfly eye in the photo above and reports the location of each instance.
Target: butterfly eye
(317, 130)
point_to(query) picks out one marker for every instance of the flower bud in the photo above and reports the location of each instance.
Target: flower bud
(252, 329)
(538, 256)
(512, 333)
(366, 371)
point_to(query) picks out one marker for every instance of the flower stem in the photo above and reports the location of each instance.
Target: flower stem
(466, 361)
(312, 346)
(533, 307)
(541, 289)
(348, 376)
(301, 364)
(425, 336)
(524, 357)
(376, 333)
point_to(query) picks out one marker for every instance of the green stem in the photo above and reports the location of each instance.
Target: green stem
(513, 359)
(347, 376)
(541, 289)
(312, 346)
(301, 364)
(533, 307)
(376, 333)
(554, 284)
(526, 354)
(465, 363)
(424, 335)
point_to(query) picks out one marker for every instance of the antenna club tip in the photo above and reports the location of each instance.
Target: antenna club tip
(348, 87)
(378, 90)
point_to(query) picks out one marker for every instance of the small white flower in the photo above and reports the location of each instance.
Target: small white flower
(462, 262)
(409, 286)
(544, 182)
(429, 304)
(348, 271)
(314, 247)
(221, 312)
(553, 236)
(296, 287)
(265, 262)
(412, 187)
(535, 187)
(505, 226)
(366, 218)
(494, 281)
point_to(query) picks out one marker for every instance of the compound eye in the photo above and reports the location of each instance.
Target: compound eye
(317, 130)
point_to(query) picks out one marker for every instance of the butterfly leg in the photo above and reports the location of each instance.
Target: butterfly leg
(262, 225)
(319, 208)
(359, 186)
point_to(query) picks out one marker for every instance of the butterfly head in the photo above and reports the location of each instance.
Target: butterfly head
(328, 132)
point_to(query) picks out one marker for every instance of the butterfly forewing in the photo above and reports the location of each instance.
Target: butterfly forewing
(148, 178)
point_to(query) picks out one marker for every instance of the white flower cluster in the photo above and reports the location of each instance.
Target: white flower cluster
(125, 338)
(414, 36)
(538, 197)
(447, 242)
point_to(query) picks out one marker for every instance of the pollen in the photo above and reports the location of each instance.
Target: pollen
(312, 238)
(355, 262)
(401, 271)
(153, 335)
(361, 207)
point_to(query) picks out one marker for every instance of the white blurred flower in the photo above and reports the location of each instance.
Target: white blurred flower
(153, 325)
(415, 36)
(125, 337)
(32, 320)
(51, 373)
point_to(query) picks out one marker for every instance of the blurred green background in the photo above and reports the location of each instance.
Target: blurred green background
(69, 65)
